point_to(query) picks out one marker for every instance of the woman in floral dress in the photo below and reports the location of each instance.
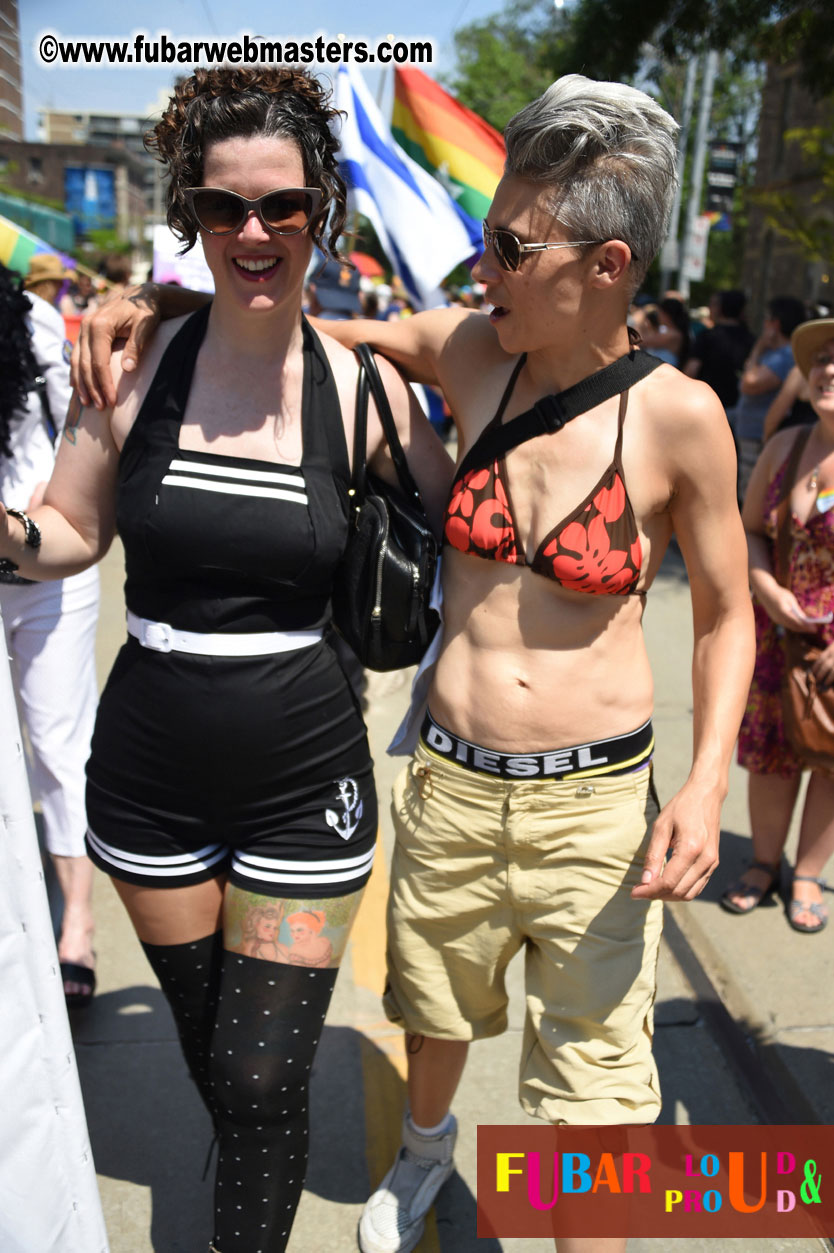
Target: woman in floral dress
(806, 606)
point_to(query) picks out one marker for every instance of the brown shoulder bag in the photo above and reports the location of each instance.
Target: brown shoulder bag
(807, 710)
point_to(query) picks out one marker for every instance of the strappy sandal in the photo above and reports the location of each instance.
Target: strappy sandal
(817, 908)
(754, 894)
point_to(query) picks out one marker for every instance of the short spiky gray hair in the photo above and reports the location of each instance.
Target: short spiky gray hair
(608, 151)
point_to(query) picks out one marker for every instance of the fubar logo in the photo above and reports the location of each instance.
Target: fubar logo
(656, 1182)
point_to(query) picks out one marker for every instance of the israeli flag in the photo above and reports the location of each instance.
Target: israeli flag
(412, 213)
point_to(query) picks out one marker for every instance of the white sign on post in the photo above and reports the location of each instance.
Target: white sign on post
(695, 251)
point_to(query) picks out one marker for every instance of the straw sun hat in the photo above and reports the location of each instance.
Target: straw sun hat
(807, 340)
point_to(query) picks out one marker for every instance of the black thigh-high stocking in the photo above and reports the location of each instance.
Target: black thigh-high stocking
(269, 1021)
(189, 975)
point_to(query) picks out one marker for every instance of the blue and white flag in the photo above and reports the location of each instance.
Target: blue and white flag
(412, 213)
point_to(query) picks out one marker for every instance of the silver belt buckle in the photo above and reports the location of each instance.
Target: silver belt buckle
(157, 636)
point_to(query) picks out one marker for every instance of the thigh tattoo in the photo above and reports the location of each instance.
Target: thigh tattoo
(292, 932)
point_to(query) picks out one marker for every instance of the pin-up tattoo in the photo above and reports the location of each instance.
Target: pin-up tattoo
(261, 926)
(309, 933)
(73, 418)
(308, 946)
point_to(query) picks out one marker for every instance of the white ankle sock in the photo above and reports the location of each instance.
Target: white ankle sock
(441, 1128)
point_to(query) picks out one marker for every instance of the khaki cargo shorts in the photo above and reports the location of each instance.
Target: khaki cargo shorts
(484, 866)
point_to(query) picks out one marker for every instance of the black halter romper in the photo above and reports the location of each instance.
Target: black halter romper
(254, 766)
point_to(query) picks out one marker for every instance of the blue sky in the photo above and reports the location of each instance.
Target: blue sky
(134, 88)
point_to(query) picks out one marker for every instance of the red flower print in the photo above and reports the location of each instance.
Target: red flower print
(491, 525)
(618, 582)
(457, 533)
(610, 501)
(594, 562)
(462, 501)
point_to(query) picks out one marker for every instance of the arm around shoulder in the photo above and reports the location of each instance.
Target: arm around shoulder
(132, 317)
(415, 344)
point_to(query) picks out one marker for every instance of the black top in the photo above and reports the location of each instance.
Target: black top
(215, 543)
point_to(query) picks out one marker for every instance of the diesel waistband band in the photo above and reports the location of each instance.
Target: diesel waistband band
(619, 755)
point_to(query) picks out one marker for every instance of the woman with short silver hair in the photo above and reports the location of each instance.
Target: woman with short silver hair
(608, 155)
(527, 817)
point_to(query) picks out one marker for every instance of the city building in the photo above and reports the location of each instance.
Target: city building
(113, 131)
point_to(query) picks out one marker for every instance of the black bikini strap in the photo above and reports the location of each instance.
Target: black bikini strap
(508, 390)
(618, 448)
(551, 413)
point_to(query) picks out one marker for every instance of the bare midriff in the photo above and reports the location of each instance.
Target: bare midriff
(528, 666)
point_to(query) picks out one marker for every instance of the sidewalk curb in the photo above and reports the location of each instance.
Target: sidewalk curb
(750, 1042)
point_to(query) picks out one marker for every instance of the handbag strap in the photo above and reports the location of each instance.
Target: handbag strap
(783, 510)
(38, 384)
(367, 383)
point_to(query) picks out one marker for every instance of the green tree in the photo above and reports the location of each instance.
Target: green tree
(504, 61)
(807, 221)
(748, 30)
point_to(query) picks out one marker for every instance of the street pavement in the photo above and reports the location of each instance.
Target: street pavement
(150, 1136)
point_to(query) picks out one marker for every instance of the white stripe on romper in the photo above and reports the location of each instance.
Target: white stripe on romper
(203, 477)
(293, 872)
(159, 867)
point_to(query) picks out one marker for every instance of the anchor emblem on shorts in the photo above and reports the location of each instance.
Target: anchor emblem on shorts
(349, 796)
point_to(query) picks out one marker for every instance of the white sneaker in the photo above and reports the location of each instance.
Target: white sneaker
(395, 1215)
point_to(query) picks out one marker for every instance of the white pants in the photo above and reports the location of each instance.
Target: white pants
(50, 633)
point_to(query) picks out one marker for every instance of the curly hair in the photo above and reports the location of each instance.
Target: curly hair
(17, 361)
(226, 103)
(273, 913)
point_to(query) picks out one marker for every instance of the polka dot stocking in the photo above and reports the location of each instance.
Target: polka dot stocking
(189, 975)
(269, 1021)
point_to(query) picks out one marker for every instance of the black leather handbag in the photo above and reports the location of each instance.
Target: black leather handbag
(382, 587)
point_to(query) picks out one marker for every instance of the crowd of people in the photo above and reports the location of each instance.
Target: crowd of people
(230, 793)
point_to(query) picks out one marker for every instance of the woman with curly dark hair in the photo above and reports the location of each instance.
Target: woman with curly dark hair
(227, 725)
(49, 629)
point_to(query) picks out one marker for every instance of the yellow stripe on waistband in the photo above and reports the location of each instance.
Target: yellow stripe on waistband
(621, 765)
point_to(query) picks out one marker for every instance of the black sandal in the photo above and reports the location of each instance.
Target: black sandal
(84, 977)
(815, 908)
(756, 894)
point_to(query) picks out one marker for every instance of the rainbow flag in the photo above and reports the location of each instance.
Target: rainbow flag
(459, 148)
(18, 247)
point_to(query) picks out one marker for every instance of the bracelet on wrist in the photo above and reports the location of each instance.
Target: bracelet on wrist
(32, 532)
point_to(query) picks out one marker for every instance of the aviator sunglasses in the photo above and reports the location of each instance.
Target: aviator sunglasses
(285, 211)
(509, 251)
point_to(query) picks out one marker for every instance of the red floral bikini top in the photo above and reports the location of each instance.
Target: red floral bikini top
(595, 549)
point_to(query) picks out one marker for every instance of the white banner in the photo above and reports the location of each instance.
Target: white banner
(695, 255)
(190, 271)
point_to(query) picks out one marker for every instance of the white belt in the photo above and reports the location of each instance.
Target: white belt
(163, 638)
